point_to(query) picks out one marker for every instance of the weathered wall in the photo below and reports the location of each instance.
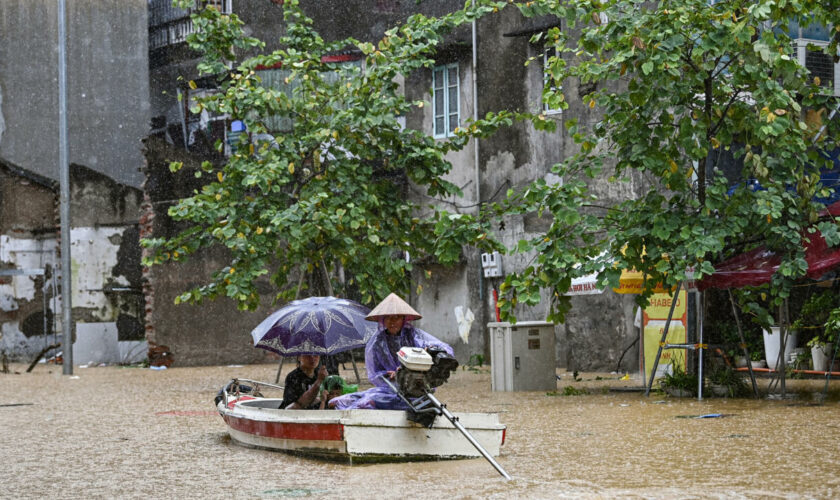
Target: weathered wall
(599, 327)
(25, 304)
(215, 331)
(105, 261)
(444, 290)
(107, 85)
(27, 242)
(105, 251)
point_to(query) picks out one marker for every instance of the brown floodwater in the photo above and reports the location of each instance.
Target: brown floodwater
(114, 432)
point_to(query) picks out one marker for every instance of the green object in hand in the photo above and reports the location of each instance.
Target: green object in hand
(335, 382)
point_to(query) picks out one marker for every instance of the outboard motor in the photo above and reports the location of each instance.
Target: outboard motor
(423, 369)
(411, 377)
(442, 365)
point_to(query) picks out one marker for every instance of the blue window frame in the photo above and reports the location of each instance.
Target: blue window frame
(445, 102)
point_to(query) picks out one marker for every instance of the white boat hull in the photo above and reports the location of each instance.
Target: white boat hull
(357, 435)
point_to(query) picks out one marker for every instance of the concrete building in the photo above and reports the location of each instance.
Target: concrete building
(107, 116)
(486, 76)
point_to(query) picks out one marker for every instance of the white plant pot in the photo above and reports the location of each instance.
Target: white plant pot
(820, 356)
(741, 361)
(758, 364)
(772, 343)
(720, 391)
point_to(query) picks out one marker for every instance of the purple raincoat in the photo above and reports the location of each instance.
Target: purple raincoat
(381, 357)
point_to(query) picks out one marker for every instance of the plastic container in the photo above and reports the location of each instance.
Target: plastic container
(772, 340)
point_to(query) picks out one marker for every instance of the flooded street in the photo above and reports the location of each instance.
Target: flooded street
(118, 432)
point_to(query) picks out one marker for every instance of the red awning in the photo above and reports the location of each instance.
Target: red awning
(757, 266)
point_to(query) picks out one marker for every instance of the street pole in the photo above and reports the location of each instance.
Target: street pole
(64, 181)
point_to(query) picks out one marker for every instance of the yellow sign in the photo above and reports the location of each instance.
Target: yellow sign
(654, 319)
(670, 358)
(633, 282)
(660, 306)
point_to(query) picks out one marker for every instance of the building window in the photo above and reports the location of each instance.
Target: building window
(552, 94)
(170, 25)
(445, 103)
(278, 79)
(818, 63)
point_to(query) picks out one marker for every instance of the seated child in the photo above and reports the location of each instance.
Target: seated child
(332, 387)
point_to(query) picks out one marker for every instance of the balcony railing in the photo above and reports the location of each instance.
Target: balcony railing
(170, 25)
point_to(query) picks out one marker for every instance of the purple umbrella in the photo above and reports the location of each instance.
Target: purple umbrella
(315, 325)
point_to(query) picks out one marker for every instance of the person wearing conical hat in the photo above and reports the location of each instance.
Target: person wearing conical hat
(395, 331)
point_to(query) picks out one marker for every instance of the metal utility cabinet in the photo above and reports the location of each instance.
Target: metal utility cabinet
(522, 356)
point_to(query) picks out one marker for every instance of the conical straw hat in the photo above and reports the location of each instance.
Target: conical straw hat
(393, 305)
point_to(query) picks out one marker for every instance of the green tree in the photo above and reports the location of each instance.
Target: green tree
(327, 197)
(679, 84)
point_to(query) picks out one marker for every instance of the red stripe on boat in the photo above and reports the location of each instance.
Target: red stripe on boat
(282, 430)
(233, 401)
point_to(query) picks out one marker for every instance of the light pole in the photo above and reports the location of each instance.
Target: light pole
(64, 182)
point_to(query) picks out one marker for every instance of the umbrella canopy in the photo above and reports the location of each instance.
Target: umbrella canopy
(757, 266)
(315, 325)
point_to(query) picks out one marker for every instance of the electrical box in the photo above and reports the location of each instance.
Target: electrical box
(492, 264)
(522, 356)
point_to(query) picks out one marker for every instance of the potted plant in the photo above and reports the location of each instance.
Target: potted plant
(726, 382)
(727, 333)
(678, 383)
(756, 361)
(815, 311)
(822, 343)
(773, 342)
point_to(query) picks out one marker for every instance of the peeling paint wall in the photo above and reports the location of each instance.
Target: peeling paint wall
(23, 253)
(27, 244)
(108, 113)
(105, 261)
(93, 255)
(24, 300)
(598, 329)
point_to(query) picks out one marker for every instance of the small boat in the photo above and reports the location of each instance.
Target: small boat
(353, 435)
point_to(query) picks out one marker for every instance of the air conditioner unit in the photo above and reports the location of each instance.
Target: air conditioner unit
(819, 63)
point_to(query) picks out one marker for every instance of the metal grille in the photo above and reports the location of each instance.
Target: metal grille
(169, 25)
(820, 65)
